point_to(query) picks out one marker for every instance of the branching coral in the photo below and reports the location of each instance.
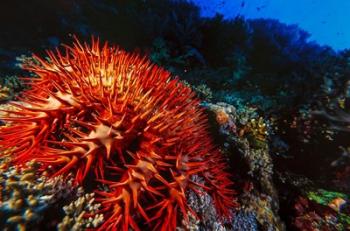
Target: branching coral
(5, 93)
(99, 112)
(75, 218)
(25, 195)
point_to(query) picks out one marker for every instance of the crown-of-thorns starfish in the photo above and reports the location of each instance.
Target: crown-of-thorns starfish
(101, 112)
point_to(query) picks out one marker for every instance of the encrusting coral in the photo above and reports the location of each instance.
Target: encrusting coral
(98, 112)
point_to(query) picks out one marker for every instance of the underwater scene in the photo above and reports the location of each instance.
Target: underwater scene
(174, 115)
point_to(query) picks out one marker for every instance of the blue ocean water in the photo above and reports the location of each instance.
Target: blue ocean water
(326, 20)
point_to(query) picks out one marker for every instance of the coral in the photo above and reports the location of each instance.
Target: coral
(5, 93)
(203, 91)
(202, 204)
(78, 214)
(9, 87)
(4, 108)
(260, 198)
(263, 208)
(224, 116)
(245, 221)
(25, 196)
(241, 129)
(98, 112)
(23, 60)
(13, 82)
(256, 132)
(313, 216)
(324, 197)
(266, 66)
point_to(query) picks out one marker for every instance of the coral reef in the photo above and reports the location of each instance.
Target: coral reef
(81, 214)
(283, 124)
(4, 108)
(202, 204)
(98, 112)
(259, 197)
(25, 196)
(313, 216)
(9, 88)
(203, 91)
(5, 93)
